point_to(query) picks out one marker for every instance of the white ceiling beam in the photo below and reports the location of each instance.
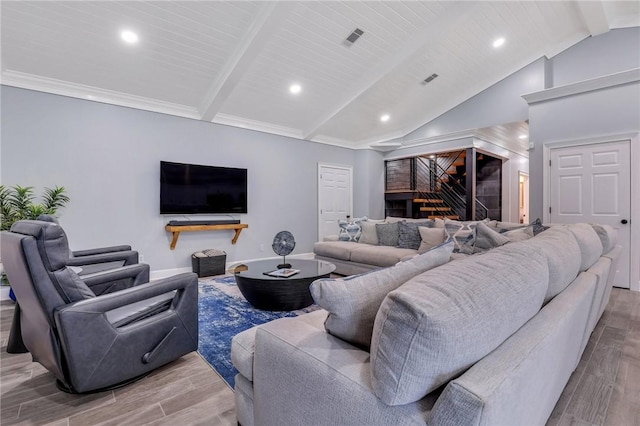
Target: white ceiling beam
(594, 17)
(431, 34)
(265, 23)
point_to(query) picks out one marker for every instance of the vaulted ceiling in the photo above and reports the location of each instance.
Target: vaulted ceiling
(233, 62)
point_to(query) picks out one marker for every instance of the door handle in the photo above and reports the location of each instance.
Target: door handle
(624, 221)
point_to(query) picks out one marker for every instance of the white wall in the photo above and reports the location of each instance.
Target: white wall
(108, 159)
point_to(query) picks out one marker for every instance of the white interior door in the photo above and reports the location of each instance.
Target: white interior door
(334, 197)
(592, 183)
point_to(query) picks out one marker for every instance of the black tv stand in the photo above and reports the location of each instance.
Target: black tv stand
(204, 222)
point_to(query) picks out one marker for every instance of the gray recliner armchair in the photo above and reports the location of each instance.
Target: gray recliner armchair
(94, 342)
(97, 259)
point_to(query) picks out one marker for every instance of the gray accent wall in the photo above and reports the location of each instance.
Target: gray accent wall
(368, 189)
(108, 157)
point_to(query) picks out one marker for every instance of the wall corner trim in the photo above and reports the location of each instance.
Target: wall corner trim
(611, 80)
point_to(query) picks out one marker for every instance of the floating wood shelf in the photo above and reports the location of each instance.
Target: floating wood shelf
(177, 229)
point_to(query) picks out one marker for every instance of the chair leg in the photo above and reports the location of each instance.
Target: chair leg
(15, 345)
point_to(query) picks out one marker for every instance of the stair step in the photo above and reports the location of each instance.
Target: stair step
(435, 209)
(450, 216)
(428, 200)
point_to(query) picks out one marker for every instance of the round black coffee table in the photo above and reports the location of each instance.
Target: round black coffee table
(280, 294)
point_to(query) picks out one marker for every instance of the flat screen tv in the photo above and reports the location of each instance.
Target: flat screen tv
(194, 189)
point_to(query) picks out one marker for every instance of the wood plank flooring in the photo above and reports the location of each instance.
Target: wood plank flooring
(604, 389)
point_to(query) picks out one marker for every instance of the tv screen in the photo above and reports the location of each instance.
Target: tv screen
(192, 189)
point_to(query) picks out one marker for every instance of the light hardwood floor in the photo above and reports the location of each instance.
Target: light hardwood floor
(604, 389)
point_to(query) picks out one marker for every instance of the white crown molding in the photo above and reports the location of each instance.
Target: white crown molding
(96, 94)
(604, 82)
(328, 140)
(260, 126)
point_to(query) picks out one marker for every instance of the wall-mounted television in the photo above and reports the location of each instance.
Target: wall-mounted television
(194, 189)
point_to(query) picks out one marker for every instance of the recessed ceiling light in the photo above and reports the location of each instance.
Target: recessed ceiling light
(522, 137)
(432, 156)
(384, 117)
(129, 36)
(295, 89)
(498, 42)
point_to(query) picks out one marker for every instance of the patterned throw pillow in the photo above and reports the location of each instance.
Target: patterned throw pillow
(483, 238)
(387, 234)
(350, 230)
(538, 227)
(408, 234)
(459, 232)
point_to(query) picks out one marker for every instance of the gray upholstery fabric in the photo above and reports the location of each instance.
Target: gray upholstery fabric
(408, 234)
(520, 382)
(589, 243)
(430, 237)
(563, 255)
(600, 270)
(459, 232)
(369, 234)
(242, 351)
(337, 249)
(353, 302)
(305, 376)
(86, 352)
(388, 233)
(441, 322)
(482, 239)
(607, 235)
(519, 234)
(244, 401)
(380, 255)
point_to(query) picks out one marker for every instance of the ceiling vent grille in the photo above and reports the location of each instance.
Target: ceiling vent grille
(355, 35)
(430, 79)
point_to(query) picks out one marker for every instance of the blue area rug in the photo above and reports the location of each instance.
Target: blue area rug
(223, 313)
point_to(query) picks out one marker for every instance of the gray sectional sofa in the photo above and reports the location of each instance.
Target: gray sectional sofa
(489, 339)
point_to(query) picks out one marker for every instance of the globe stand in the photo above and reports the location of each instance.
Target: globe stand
(284, 264)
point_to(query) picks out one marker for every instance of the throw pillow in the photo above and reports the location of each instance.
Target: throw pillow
(486, 238)
(430, 237)
(369, 234)
(387, 234)
(459, 232)
(408, 234)
(519, 234)
(353, 302)
(538, 227)
(350, 230)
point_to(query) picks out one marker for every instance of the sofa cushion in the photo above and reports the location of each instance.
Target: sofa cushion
(350, 230)
(388, 233)
(380, 255)
(589, 243)
(430, 237)
(438, 324)
(369, 234)
(353, 301)
(563, 255)
(408, 234)
(335, 249)
(607, 235)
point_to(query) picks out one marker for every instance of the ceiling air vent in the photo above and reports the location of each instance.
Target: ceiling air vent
(430, 78)
(355, 35)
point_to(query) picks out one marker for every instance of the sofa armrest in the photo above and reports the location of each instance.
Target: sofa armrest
(330, 238)
(301, 372)
(521, 381)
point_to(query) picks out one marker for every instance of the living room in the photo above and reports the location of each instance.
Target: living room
(107, 152)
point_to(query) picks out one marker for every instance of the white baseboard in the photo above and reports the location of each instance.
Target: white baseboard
(164, 273)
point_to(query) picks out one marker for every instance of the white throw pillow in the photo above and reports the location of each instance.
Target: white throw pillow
(431, 237)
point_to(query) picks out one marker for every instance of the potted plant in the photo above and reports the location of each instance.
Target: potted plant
(17, 203)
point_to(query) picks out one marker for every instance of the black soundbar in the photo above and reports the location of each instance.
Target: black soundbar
(204, 222)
